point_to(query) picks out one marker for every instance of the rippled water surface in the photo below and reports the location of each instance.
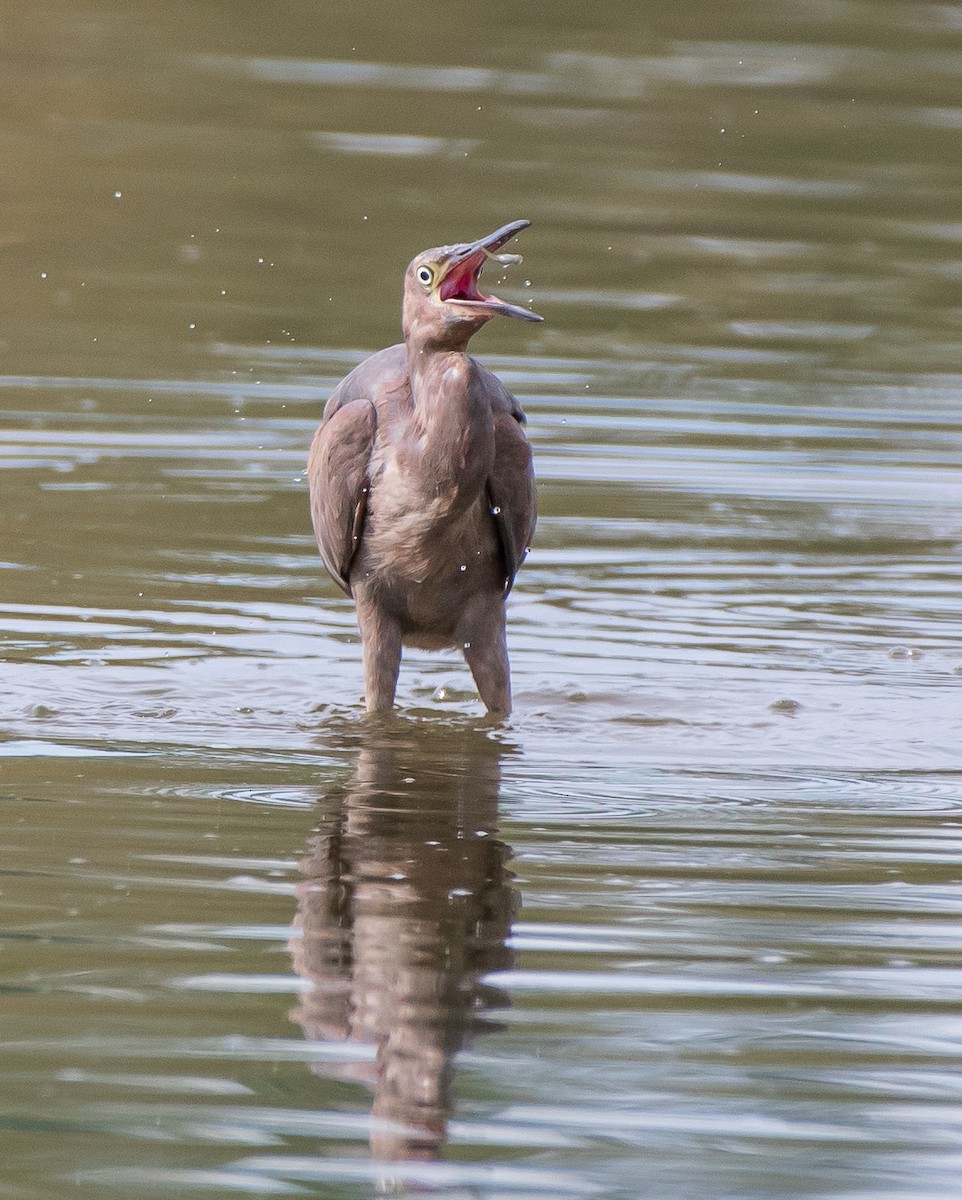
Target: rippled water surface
(688, 926)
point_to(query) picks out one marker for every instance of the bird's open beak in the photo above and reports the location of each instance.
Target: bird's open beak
(459, 284)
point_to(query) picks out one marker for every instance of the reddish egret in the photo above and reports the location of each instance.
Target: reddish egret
(422, 491)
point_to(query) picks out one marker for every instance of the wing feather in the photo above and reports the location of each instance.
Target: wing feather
(338, 473)
(511, 491)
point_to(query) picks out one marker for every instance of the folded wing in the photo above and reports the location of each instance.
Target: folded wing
(511, 491)
(338, 473)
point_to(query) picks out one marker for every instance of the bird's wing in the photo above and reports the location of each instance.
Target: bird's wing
(511, 491)
(337, 470)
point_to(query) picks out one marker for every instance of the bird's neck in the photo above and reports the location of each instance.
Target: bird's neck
(428, 363)
(452, 427)
(442, 384)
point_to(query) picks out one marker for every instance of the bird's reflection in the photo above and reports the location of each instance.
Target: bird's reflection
(405, 905)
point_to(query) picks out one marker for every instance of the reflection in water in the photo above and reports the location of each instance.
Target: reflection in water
(405, 907)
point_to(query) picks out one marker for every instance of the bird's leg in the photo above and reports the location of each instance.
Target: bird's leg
(484, 644)
(381, 642)
(489, 666)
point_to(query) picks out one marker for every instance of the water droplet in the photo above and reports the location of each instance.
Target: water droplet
(117, 195)
(527, 283)
(464, 566)
(496, 511)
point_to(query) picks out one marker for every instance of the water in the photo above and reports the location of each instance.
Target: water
(688, 925)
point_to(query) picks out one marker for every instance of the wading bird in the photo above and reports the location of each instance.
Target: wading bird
(422, 490)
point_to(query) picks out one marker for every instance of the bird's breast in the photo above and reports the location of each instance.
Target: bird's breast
(425, 558)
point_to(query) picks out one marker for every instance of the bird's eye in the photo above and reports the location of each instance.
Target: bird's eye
(425, 276)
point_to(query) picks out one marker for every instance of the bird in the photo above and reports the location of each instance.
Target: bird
(421, 481)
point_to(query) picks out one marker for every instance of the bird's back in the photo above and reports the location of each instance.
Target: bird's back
(382, 378)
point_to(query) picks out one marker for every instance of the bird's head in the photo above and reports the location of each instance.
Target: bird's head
(442, 304)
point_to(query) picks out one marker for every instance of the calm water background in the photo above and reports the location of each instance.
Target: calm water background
(689, 925)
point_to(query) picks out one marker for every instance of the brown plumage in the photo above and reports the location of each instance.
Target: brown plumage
(422, 490)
